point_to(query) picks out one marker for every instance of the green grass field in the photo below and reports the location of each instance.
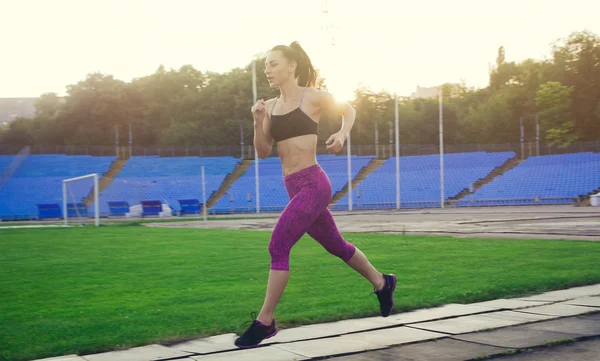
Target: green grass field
(87, 290)
(134, 222)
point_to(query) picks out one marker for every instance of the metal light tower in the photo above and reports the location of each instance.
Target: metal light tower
(397, 152)
(442, 197)
(256, 173)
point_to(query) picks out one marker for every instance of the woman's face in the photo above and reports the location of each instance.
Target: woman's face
(278, 68)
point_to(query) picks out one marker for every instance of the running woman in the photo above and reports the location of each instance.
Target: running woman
(292, 120)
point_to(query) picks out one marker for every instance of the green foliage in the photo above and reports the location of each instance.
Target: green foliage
(188, 107)
(554, 104)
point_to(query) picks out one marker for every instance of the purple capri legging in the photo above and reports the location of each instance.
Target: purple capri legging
(310, 193)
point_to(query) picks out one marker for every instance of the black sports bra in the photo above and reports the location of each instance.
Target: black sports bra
(292, 124)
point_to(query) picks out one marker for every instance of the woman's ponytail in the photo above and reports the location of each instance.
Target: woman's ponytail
(305, 72)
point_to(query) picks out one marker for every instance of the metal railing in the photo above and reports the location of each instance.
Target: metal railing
(247, 152)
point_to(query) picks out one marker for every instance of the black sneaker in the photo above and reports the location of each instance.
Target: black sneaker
(256, 333)
(386, 295)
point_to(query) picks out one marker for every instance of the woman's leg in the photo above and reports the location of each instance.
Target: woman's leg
(325, 231)
(300, 213)
(277, 281)
(361, 264)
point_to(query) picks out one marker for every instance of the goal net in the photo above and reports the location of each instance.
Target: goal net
(81, 199)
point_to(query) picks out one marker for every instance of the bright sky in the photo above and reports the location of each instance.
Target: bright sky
(393, 45)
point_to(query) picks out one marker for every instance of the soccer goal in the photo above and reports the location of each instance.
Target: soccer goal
(78, 194)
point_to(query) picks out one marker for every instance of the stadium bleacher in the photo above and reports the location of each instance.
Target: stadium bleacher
(420, 179)
(336, 168)
(273, 196)
(551, 179)
(167, 180)
(39, 181)
(554, 179)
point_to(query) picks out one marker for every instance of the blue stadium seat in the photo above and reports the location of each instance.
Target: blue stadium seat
(151, 208)
(49, 211)
(77, 210)
(118, 209)
(189, 206)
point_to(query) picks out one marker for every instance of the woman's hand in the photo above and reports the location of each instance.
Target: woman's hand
(335, 142)
(258, 111)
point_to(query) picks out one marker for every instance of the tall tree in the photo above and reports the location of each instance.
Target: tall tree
(48, 105)
(577, 64)
(554, 104)
(188, 107)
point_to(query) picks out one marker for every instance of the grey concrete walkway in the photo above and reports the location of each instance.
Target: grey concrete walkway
(450, 332)
(588, 350)
(534, 341)
(540, 222)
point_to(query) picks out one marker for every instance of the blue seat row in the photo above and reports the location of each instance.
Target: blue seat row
(420, 179)
(553, 179)
(39, 181)
(168, 180)
(557, 178)
(241, 196)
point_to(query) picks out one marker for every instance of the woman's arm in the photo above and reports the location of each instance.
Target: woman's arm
(263, 141)
(326, 102)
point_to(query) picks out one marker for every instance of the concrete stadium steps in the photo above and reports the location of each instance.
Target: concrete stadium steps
(498, 171)
(115, 168)
(362, 174)
(239, 170)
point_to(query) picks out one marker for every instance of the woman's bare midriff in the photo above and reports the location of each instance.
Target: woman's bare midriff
(297, 153)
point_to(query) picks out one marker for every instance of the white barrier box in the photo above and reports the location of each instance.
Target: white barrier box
(595, 200)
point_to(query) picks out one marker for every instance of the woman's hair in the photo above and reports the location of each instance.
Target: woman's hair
(304, 70)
